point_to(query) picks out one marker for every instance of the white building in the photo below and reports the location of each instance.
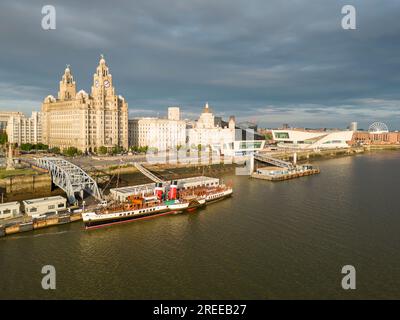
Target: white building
(242, 147)
(5, 116)
(40, 206)
(174, 113)
(206, 133)
(312, 139)
(162, 134)
(9, 209)
(353, 126)
(21, 129)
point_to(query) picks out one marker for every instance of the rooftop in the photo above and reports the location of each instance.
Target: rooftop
(8, 204)
(46, 199)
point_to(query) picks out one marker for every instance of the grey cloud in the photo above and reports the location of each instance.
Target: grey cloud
(241, 56)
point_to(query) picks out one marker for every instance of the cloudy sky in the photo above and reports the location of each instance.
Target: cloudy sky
(269, 61)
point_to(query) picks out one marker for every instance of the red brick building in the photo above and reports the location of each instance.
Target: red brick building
(376, 138)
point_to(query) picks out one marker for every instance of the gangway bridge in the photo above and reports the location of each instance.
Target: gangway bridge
(148, 174)
(273, 161)
(69, 177)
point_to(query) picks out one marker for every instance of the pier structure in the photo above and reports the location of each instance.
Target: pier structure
(274, 161)
(148, 174)
(280, 169)
(69, 177)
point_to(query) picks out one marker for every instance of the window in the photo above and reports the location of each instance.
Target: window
(61, 205)
(281, 135)
(52, 206)
(33, 209)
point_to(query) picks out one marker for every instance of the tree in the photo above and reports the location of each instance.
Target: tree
(102, 150)
(55, 150)
(268, 136)
(26, 146)
(116, 149)
(3, 138)
(41, 146)
(71, 151)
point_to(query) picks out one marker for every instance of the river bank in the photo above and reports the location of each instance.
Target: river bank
(38, 185)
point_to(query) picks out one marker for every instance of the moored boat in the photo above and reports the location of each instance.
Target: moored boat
(158, 202)
(138, 208)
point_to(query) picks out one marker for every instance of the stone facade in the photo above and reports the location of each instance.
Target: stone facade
(162, 134)
(206, 133)
(5, 116)
(85, 121)
(21, 129)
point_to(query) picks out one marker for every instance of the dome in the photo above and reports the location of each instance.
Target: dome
(82, 94)
(49, 99)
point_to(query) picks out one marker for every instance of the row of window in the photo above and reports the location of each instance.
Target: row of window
(140, 211)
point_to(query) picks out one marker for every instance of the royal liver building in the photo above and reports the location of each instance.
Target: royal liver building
(86, 121)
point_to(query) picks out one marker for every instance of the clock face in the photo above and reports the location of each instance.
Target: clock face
(96, 83)
(106, 83)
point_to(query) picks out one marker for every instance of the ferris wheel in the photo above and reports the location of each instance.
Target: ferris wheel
(378, 127)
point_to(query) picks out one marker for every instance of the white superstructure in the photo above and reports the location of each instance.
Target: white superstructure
(121, 194)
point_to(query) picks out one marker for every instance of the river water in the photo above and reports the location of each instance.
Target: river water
(269, 241)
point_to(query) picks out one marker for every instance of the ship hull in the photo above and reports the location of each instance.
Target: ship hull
(218, 197)
(108, 221)
(196, 204)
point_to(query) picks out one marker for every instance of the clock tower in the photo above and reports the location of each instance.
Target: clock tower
(102, 87)
(85, 121)
(110, 110)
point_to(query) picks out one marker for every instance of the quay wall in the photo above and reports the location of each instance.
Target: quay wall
(309, 155)
(26, 184)
(34, 224)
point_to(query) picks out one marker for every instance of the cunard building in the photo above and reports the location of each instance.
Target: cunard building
(87, 122)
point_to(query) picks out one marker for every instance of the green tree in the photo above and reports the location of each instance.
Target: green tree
(116, 149)
(71, 151)
(268, 136)
(55, 150)
(3, 138)
(41, 146)
(102, 150)
(26, 146)
(142, 149)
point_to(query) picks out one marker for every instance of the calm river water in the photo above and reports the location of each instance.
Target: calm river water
(270, 240)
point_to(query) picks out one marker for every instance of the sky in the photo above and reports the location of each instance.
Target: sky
(266, 61)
